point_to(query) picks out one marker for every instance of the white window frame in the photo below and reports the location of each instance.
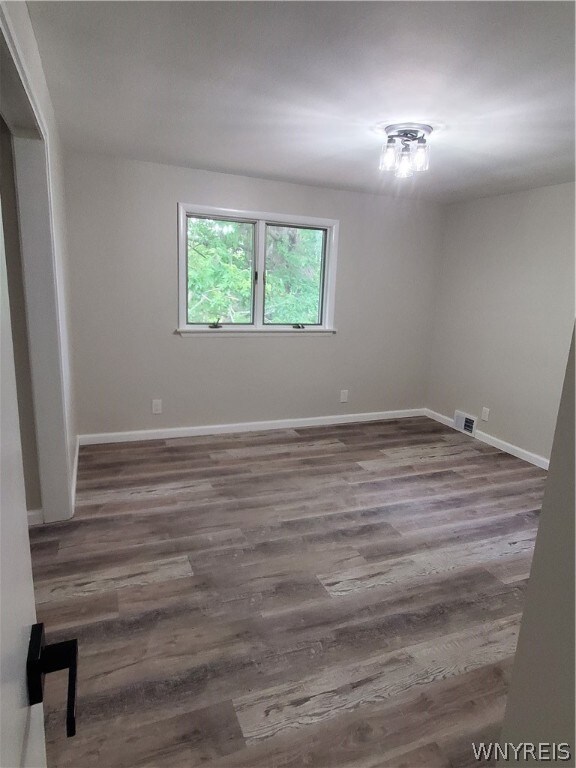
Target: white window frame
(260, 219)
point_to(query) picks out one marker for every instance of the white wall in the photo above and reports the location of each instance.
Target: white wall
(540, 706)
(461, 306)
(504, 313)
(123, 270)
(17, 29)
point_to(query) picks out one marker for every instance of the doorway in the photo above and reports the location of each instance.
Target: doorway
(19, 324)
(35, 460)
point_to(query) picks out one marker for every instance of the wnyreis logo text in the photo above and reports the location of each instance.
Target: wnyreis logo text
(510, 752)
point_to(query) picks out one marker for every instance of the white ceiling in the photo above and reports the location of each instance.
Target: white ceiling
(292, 90)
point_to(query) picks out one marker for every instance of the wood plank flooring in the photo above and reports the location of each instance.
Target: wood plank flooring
(333, 596)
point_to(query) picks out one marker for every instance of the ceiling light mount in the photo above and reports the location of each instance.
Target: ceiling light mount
(410, 131)
(406, 149)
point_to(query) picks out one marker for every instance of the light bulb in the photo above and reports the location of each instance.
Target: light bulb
(404, 169)
(388, 156)
(421, 156)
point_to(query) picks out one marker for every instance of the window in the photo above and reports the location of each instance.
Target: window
(244, 271)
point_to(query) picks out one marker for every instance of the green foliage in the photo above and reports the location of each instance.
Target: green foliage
(294, 263)
(221, 268)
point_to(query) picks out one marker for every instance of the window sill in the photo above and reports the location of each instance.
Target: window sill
(185, 332)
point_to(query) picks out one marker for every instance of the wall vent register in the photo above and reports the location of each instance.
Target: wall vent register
(464, 422)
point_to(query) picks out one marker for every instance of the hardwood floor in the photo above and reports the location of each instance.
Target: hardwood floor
(333, 596)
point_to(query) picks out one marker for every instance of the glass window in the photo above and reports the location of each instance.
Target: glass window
(220, 270)
(294, 275)
(249, 271)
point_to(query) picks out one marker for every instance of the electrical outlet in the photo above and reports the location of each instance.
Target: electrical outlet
(485, 414)
(156, 406)
(343, 395)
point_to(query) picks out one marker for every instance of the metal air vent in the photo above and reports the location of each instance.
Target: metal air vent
(464, 422)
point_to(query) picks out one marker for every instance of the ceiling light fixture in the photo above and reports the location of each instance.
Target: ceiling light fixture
(404, 167)
(406, 149)
(388, 156)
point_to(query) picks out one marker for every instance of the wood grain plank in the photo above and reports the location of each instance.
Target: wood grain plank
(345, 596)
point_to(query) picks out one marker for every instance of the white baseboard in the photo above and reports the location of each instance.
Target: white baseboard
(247, 426)
(446, 420)
(495, 442)
(35, 517)
(311, 421)
(502, 445)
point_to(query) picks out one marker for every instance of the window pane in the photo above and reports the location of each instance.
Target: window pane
(220, 270)
(294, 275)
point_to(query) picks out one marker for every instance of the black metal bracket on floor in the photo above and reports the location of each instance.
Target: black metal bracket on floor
(43, 659)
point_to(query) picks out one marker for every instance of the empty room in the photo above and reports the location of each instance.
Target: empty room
(287, 384)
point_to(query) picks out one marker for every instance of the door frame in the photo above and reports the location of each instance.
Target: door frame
(44, 293)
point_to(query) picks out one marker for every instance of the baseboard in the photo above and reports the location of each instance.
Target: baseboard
(515, 450)
(310, 421)
(446, 420)
(35, 517)
(495, 442)
(247, 426)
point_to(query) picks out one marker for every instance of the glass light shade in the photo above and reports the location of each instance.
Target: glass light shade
(421, 157)
(388, 156)
(404, 169)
